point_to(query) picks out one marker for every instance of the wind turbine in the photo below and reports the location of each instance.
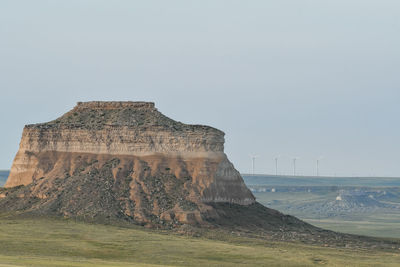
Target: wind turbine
(294, 165)
(318, 160)
(276, 164)
(253, 162)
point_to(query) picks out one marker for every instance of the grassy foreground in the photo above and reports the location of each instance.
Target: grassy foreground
(57, 242)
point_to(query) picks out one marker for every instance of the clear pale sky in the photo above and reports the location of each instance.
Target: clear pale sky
(296, 78)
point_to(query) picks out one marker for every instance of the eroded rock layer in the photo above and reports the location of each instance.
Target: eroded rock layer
(123, 159)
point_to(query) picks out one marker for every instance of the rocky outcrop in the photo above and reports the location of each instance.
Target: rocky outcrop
(147, 166)
(125, 161)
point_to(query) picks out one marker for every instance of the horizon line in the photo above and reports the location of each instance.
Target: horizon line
(315, 176)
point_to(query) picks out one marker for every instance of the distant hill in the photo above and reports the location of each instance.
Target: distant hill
(3, 177)
(275, 180)
(356, 205)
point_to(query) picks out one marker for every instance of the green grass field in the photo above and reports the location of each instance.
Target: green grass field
(57, 242)
(367, 227)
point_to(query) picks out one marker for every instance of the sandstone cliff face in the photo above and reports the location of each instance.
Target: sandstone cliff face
(149, 166)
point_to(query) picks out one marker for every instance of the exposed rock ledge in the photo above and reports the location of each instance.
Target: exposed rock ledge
(153, 166)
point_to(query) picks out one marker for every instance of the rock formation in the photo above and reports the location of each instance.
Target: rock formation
(147, 166)
(125, 161)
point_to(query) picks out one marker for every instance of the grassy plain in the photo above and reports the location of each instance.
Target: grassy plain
(378, 224)
(368, 227)
(304, 197)
(56, 242)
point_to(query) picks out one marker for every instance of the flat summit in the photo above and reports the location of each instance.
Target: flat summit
(125, 160)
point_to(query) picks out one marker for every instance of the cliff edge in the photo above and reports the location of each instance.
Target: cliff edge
(125, 160)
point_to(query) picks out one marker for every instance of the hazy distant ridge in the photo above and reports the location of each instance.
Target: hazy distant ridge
(3, 177)
(259, 179)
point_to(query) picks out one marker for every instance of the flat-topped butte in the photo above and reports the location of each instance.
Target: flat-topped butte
(97, 115)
